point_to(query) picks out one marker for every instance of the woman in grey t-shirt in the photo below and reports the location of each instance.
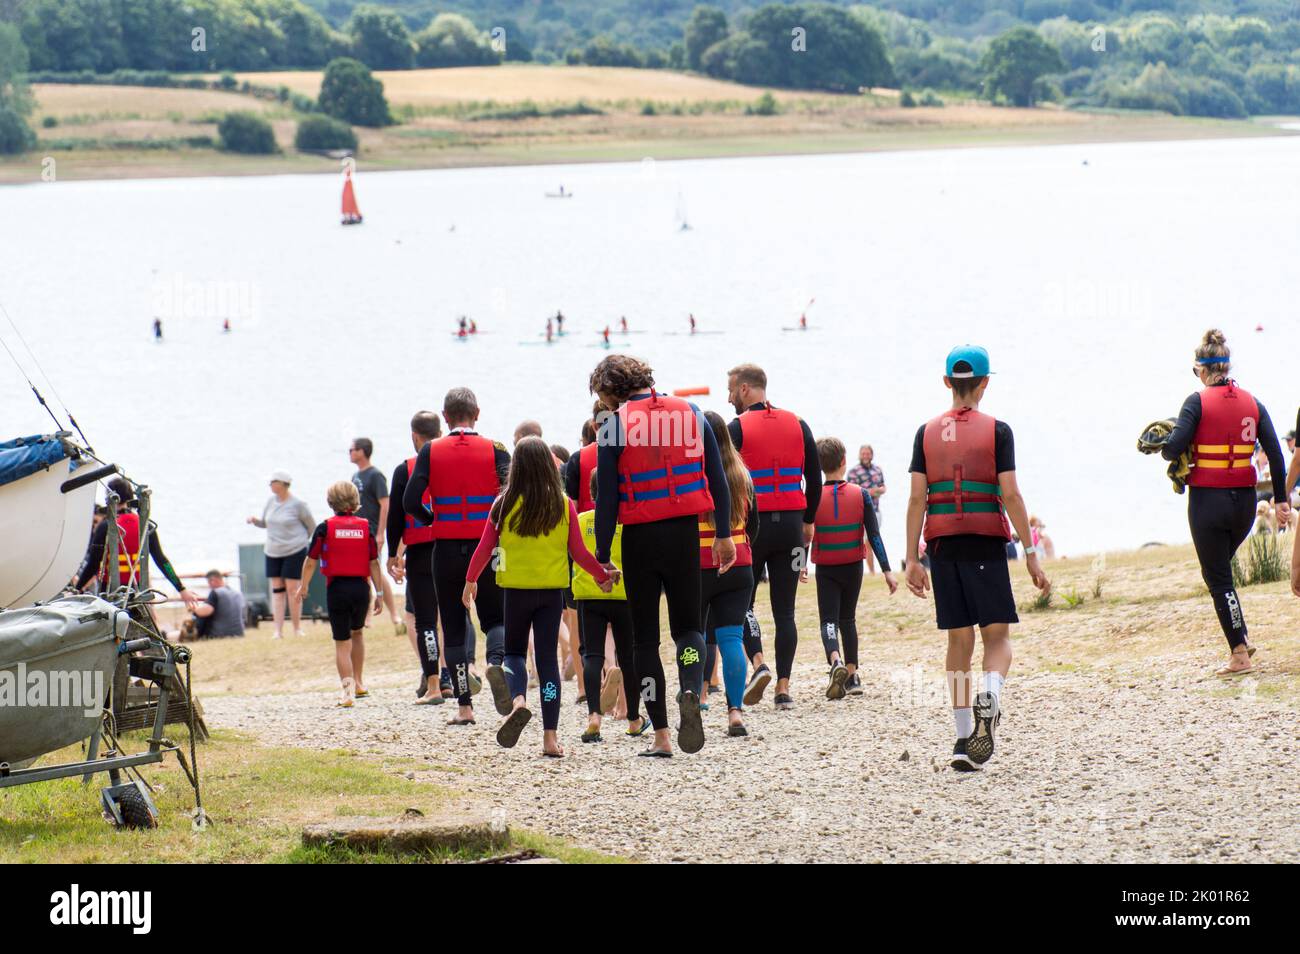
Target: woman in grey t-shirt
(289, 525)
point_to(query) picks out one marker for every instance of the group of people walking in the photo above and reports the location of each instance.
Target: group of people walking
(667, 502)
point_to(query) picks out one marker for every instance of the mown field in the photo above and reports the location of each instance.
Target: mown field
(531, 114)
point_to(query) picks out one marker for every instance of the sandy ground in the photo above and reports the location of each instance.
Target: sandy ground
(1117, 745)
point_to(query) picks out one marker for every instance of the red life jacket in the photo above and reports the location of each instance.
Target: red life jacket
(463, 482)
(744, 552)
(661, 466)
(1224, 444)
(771, 445)
(347, 547)
(128, 549)
(839, 533)
(586, 464)
(961, 469)
(415, 533)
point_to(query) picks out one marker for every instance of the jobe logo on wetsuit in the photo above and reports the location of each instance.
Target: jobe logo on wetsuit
(1234, 608)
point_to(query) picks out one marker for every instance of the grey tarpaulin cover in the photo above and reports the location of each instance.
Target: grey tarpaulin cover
(56, 667)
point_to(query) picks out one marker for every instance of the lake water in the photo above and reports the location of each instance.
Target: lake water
(1089, 272)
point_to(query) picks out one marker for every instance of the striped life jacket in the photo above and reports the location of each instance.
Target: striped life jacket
(771, 446)
(839, 533)
(1224, 444)
(961, 469)
(128, 549)
(661, 465)
(414, 533)
(744, 551)
(463, 482)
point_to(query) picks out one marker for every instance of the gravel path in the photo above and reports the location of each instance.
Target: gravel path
(1087, 770)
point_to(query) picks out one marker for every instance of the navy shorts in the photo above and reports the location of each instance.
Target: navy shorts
(286, 567)
(347, 598)
(972, 593)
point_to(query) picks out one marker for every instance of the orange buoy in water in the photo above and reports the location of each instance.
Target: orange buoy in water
(689, 392)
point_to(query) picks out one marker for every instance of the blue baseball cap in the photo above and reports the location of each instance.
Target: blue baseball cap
(973, 355)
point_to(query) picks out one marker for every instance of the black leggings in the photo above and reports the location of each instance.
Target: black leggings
(424, 605)
(779, 547)
(594, 616)
(838, 586)
(1221, 519)
(664, 557)
(538, 611)
(450, 564)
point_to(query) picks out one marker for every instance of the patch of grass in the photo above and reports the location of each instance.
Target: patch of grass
(258, 797)
(1265, 562)
(1073, 598)
(530, 110)
(1039, 604)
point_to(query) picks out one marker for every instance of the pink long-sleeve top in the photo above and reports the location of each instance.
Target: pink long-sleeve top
(577, 549)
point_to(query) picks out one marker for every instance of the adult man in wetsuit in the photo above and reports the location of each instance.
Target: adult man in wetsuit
(463, 472)
(779, 450)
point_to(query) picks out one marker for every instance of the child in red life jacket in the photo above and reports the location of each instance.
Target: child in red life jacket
(845, 526)
(349, 557)
(532, 530)
(963, 492)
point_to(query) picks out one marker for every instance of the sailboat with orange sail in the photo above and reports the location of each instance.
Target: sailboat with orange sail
(351, 212)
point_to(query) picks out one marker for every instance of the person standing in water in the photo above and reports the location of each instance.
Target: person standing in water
(530, 534)
(622, 321)
(1221, 425)
(963, 490)
(157, 329)
(781, 455)
(658, 469)
(692, 317)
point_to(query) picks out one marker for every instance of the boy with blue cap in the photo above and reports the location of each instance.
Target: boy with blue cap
(963, 492)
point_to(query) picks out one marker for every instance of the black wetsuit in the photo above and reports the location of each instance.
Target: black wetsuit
(451, 560)
(1221, 517)
(782, 552)
(838, 588)
(660, 557)
(419, 577)
(93, 560)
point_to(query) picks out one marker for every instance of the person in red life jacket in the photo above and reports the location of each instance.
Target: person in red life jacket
(779, 450)
(1221, 425)
(658, 469)
(963, 490)
(845, 532)
(531, 534)
(410, 560)
(578, 468)
(348, 555)
(726, 594)
(128, 550)
(462, 473)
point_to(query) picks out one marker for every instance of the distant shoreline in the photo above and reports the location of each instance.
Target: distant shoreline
(93, 130)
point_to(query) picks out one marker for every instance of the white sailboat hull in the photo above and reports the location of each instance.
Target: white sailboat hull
(45, 532)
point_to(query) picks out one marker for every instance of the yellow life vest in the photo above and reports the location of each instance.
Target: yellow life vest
(584, 584)
(533, 563)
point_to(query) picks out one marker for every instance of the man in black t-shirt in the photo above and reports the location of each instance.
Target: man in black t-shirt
(373, 488)
(963, 492)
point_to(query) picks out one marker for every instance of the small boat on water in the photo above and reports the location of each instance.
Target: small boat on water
(45, 516)
(559, 195)
(351, 211)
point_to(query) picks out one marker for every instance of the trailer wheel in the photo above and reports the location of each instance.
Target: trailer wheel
(136, 812)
